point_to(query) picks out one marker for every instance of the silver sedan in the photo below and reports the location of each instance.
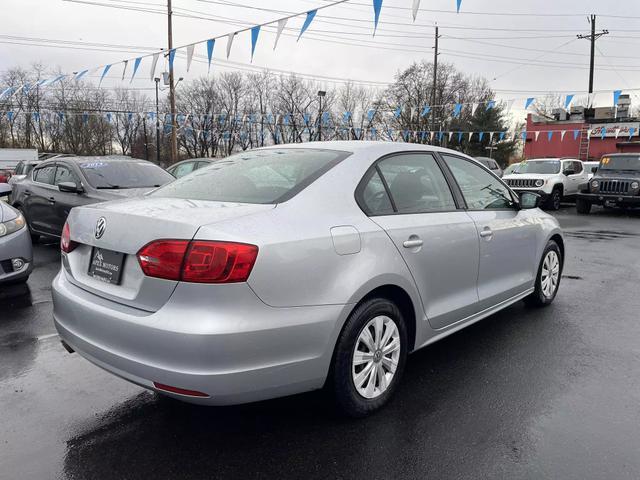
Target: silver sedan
(286, 269)
(16, 255)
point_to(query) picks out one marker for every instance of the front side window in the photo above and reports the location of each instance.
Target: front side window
(577, 167)
(266, 176)
(481, 190)
(115, 174)
(63, 174)
(416, 183)
(183, 169)
(45, 174)
(20, 169)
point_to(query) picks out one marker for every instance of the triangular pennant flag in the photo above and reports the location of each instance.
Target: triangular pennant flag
(457, 109)
(632, 132)
(85, 118)
(370, 114)
(81, 74)
(537, 134)
(458, 3)
(528, 102)
(10, 115)
(575, 134)
(136, 64)
(562, 134)
(230, 38)
(307, 21)
(501, 136)
(617, 132)
(491, 134)
(104, 72)
(281, 24)
(190, 49)
(603, 133)
(470, 135)
(508, 105)
(425, 111)
(451, 136)
(255, 31)
(431, 134)
(524, 135)
(440, 135)
(590, 98)
(154, 62)
(377, 6)
(210, 44)
(413, 111)
(567, 101)
(480, 136)
(459, 137)
(61, 116)
(474, 107)
(549, 135)
(491, 104)
(124, 69)
(172, 57)
(398, 112)
(616, 97)
(414, 9)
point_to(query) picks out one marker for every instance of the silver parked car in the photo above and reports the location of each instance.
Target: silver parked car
(279, 270)
(16, 255)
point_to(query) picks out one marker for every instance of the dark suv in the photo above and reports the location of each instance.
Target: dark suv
(615, 183)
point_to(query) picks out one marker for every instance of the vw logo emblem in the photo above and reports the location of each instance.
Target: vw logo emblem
(101, 226)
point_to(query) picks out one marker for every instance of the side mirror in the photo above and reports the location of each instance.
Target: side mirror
(70, 187)
(5, 189)
(594, 169)
(569, 171)
(529, 200)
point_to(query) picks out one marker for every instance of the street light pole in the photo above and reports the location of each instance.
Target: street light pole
(172, 91)
(157, 80)
(321, 93)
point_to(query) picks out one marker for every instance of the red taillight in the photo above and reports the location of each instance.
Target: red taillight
(180, 391)
(198, 261)
(66, 244)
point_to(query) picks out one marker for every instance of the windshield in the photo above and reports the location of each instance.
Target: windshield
(627, 162)
(258, 176)
(540, 166)
(124, 174)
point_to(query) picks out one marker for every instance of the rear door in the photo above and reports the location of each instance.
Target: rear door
(506, 234)
(38, 200)
(410, 198)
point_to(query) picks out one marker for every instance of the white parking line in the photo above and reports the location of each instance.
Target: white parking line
(45, 337)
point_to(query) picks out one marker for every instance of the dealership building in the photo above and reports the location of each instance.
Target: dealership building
(584, 133)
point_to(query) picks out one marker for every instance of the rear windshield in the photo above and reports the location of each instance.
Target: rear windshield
(259, 176)
(124, 174)
(620, 163)
(540, 166)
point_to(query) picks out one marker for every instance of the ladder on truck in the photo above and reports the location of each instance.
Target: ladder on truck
(584, 143)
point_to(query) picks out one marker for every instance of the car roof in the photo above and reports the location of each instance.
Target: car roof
(107, 159)
(621, 155)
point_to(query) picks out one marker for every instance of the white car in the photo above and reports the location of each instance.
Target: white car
(554, 179)
(589, 166)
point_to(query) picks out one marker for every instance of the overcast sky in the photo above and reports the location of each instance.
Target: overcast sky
(339, 43)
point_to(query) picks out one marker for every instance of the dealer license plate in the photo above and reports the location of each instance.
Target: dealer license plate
(106, 265)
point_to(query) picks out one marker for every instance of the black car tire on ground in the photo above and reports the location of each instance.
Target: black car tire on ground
(554, 200)
(583, 207)
(538, 298)
(347, 398)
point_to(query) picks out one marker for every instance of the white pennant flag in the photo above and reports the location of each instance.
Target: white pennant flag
(414, 9)
(154, 62)
(450, 135)
(124, 69)
(491, 134)
(590, 99)
(190, 49)
(230, 38)
(431, 134)
(617, 132)
(281, 24)
(470, 135)
(413, 110)
(562, 134)
(474, 107)
(508, 105)
(537, 135)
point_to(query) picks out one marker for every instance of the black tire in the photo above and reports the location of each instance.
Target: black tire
(538, 298)
(34, 236)
(347, 398)
(554, 200)
(583, 207)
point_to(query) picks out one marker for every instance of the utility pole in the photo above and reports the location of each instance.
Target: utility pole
(157, 80)
(172, 91)
(593, 37)
(435, 82)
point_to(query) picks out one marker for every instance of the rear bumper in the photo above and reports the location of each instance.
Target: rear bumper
(601, 199)
(16, 245)
(222, 341)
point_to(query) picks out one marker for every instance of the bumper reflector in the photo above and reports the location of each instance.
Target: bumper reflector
(179, 391)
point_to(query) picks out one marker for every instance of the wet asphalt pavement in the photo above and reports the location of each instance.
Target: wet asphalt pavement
(552, 393)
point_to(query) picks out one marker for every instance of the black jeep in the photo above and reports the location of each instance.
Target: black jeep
(615, 183)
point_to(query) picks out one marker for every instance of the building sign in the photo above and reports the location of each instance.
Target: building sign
(623, 129)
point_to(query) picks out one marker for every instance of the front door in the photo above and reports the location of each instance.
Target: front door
(39, 199)
(409, 197)
(507, 234)
(64, 201)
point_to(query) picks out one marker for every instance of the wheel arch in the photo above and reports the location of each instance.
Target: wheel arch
(556, 237)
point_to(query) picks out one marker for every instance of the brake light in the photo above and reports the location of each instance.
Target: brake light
(66, 244)
(198, 261)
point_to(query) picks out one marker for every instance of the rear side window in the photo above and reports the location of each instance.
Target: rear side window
(45, 174)
(20, 168)
(124, 174)
(374, 199)
(259, 176)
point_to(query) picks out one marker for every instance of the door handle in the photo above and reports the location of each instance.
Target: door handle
(486, 233)
(52, 200)
(413, 243)
(27, 193)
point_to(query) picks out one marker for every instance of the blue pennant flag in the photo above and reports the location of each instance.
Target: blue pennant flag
(440, 135)
(575, 134)
(85, 118)
(129, 117)
(306, 118)
(136, 64)
(35, 116)
(346, 116)
(151, 115)
(456, 110)
(549, 135)
(61, 116)
(210, 44)
(109, 115)
(357, 131)
(528, 102)
(501, 136)
(524, 136)
(632, 132)
(398, 112)
(616, 97)
(370, 114)
(374, 133)
(377, 6)
(459, 3)
(310, 15)
(568, 100)
(480, 136)
(491, 104)
(325, 118)
(603, 133)
(81, 74)
(425, 111)
(459, 137)
(255, 31)
(104, 72)
(405, 135)
(10, 115)
(287, 119)
(172, 57)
